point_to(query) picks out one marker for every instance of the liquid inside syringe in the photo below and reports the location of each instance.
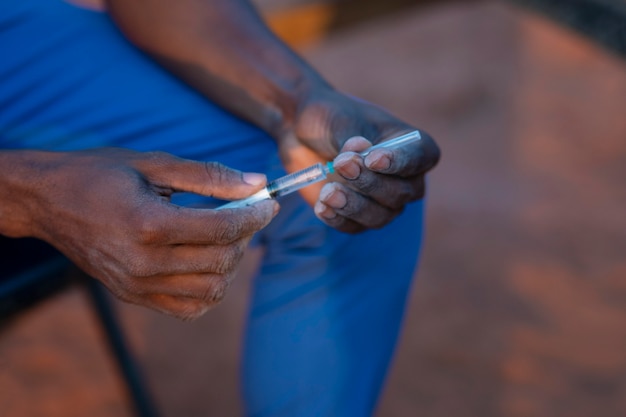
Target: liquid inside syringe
(293, 182)
(316, 173)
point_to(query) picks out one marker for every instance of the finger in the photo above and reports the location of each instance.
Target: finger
(389, 190)
(206, 178)
(356, 207)
(330, 217)
(349, 156)
(170, 224)
(406, 161)
(209, 288)
(193, 259)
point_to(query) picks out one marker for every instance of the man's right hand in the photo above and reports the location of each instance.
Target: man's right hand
(109, 211)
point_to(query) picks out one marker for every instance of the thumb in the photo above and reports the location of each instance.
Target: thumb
(230, 184)
(211, 179)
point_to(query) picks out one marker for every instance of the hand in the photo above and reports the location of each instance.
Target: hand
(109, 211)
(371, 191)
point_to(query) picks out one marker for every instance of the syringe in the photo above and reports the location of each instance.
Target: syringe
(316, 173)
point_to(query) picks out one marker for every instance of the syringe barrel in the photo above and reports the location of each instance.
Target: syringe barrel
(297, 180)
(398, 142)
(254, 198)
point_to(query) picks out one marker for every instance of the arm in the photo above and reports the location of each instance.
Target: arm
(223, 49)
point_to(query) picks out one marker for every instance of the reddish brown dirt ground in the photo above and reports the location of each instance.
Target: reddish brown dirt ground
(519, 309)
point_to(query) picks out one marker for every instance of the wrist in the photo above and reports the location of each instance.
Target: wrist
(22, 177)
(291, 103)
(319, 122)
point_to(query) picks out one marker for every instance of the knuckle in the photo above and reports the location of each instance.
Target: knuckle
(137, 267)
(228, 229)
(216, 171)
(365, 184)
(148, 230)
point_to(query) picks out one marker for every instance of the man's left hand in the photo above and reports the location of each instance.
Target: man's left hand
(371, 191)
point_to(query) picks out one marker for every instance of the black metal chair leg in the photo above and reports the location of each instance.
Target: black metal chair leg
(144, 406)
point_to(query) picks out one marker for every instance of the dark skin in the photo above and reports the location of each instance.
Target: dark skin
(108, 209)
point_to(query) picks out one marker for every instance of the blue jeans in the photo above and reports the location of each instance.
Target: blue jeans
(326, 307)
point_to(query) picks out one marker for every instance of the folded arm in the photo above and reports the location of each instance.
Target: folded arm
(224, 50)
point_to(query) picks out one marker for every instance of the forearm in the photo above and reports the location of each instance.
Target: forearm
(224, 50)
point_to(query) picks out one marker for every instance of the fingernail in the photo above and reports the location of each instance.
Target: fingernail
(325, 191)
(378, 162)
(321, 210)
(333, 197)
(252, 178)
(347, 167)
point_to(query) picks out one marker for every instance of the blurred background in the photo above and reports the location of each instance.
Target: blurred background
(519, 306)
